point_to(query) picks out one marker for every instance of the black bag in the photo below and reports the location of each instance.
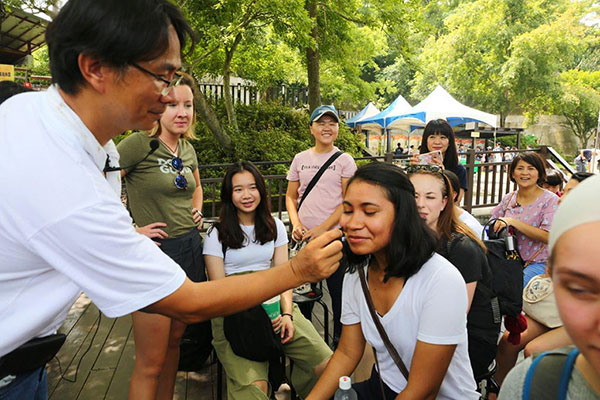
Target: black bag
(31, 355)
(195, 346)
(250, 334)
(507, 274)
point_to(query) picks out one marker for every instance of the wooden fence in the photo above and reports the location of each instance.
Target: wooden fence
(488, 181)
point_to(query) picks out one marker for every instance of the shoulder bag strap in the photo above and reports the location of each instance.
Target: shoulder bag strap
(386, 340)
(508, 203)
(318, 175)
(542, 379)
(534, 256)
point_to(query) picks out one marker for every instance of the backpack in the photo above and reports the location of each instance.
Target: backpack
(506, 266)
(195, 346)
(549, 374)
(250, 335)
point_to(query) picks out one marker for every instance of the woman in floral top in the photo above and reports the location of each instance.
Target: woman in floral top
(529, 210)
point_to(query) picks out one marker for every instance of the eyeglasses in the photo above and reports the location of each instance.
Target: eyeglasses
(412, 169)
(180, 181)
(170, 84)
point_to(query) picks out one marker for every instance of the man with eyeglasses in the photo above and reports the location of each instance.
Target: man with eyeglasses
(63, 229)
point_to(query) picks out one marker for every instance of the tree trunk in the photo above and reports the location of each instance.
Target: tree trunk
(212, 122)
(312, 60)
(231, 118)
(227, 83)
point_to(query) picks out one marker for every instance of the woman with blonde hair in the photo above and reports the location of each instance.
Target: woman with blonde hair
(459, 245)
(165, 199)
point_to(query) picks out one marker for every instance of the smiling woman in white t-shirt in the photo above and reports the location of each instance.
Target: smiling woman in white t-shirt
(420, 298)
(244, 240)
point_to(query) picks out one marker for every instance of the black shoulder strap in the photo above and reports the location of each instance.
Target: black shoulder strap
(386, 340)
(318, 175)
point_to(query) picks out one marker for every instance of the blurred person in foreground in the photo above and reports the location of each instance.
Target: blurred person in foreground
(575, 272)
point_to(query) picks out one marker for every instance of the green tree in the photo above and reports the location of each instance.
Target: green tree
(41, 62)
(579, 103)
(346, 37)
(502, 55)
(228, 27)
(48, 7)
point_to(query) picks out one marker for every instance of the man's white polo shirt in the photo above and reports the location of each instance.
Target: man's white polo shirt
(63, 228)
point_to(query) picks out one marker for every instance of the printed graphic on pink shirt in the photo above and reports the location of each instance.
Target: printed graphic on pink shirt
(326, 196)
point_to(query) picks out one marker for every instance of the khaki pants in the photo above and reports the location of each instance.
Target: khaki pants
(307, 349)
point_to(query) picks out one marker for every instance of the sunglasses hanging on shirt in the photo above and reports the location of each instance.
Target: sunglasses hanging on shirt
(180, 181)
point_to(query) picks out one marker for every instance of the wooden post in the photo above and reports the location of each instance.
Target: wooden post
(389, 140)
(389, 157)
(468, 198)
(544, 153)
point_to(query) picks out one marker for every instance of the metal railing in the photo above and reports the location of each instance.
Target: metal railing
(488, 181)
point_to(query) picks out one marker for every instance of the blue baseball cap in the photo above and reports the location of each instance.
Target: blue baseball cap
(323, 110)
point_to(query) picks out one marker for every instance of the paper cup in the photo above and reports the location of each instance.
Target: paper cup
(273, 307)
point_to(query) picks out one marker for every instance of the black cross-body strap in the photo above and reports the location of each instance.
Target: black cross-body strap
(318, 175)
(386, 340)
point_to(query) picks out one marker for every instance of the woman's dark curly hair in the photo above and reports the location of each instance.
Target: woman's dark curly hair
(412, 243)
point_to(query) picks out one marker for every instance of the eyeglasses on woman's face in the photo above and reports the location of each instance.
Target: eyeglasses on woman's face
(433, 168)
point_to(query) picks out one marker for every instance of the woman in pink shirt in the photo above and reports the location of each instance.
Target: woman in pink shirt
(529, 210)
(322, 208)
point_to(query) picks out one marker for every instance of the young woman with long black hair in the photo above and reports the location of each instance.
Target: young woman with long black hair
(439, 136)
(244, 240)
(419, 297)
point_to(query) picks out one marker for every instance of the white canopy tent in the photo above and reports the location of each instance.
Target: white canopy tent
(440, 104)
(367, 112)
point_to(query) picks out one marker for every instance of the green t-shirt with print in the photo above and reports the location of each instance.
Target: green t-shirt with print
(151, 192)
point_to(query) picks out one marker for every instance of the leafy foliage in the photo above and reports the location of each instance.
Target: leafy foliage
(503, 55)
(268, 132)
(579, 103)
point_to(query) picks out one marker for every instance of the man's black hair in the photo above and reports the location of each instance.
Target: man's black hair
(554, 178)
(9, 89)
(412, 243)
(118, 32)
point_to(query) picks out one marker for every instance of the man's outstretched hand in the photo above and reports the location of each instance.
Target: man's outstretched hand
(319, 258)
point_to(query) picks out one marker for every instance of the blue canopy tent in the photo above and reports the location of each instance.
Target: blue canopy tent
(365, 113)
(382, 120)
